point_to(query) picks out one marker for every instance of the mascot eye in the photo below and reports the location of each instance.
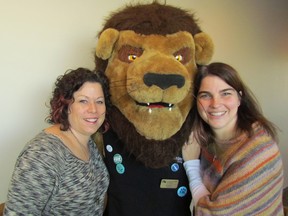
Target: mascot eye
(183, 55)
(129, 53)
(132, 57)
(179, 58)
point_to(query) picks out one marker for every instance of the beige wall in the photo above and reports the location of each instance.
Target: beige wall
(39, 40)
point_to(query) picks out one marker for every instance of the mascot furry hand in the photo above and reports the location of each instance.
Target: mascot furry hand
(149, 53)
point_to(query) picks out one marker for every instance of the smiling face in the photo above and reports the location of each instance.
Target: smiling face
(217, 104)
(87, 113)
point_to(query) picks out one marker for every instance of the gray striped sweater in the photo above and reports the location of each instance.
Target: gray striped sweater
(49, 180)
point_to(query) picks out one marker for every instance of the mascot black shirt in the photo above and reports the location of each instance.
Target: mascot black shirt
(136, 190)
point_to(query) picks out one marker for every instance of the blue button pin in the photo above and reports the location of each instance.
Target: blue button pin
(182, 191)
(120, 168)
(109, 148)
(117, 158)
(175, 167)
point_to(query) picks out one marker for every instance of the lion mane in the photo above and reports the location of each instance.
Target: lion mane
(123, 34)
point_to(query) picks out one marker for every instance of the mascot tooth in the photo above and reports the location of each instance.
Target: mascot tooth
(150, 53)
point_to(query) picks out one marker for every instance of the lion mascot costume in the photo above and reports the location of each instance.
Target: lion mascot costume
(149, 52)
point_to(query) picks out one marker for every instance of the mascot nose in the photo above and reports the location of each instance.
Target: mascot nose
(163, 81)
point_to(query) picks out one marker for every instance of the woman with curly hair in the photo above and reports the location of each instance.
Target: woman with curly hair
(61, 171)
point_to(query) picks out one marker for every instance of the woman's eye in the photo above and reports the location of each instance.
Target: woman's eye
(83, 101)
(100, 101)
(226, 93)
(204, 96)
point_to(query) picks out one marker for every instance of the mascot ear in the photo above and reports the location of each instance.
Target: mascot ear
(106, 42)
(204, 48)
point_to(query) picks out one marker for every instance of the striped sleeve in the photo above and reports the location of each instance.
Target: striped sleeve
(251, 184)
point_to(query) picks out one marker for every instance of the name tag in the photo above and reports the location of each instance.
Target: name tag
(169, 183)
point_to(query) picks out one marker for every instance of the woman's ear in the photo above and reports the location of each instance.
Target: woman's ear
(239, 96)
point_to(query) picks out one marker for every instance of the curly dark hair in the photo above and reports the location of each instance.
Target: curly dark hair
(62, 95)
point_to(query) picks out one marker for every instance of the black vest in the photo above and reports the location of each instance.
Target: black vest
(136, 190)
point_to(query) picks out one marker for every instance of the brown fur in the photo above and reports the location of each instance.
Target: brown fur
(150, 19)
(155, 34)
(153, 153)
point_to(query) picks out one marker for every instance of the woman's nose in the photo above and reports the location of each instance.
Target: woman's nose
(215, 102)
(92, 108)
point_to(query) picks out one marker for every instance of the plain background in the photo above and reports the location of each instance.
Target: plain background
(40, 40)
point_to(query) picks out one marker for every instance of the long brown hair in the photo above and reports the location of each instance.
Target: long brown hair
(249, 110)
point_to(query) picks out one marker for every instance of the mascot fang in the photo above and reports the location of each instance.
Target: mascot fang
(150, 53)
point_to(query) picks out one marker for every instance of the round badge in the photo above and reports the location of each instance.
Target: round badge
(175, 167)
(120, 168)
(117, 158)
(109, 148)
(182, 191)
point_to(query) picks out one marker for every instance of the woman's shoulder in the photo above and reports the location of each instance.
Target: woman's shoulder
(44, 140)
(44, 144)
(261, 135)
(260, 143)
(259, 129)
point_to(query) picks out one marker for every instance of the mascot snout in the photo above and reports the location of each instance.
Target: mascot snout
(163, 81)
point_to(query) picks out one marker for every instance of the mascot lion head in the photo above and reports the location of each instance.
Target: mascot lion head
(150, 52)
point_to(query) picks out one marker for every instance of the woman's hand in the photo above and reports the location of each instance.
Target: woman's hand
(191, 149)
